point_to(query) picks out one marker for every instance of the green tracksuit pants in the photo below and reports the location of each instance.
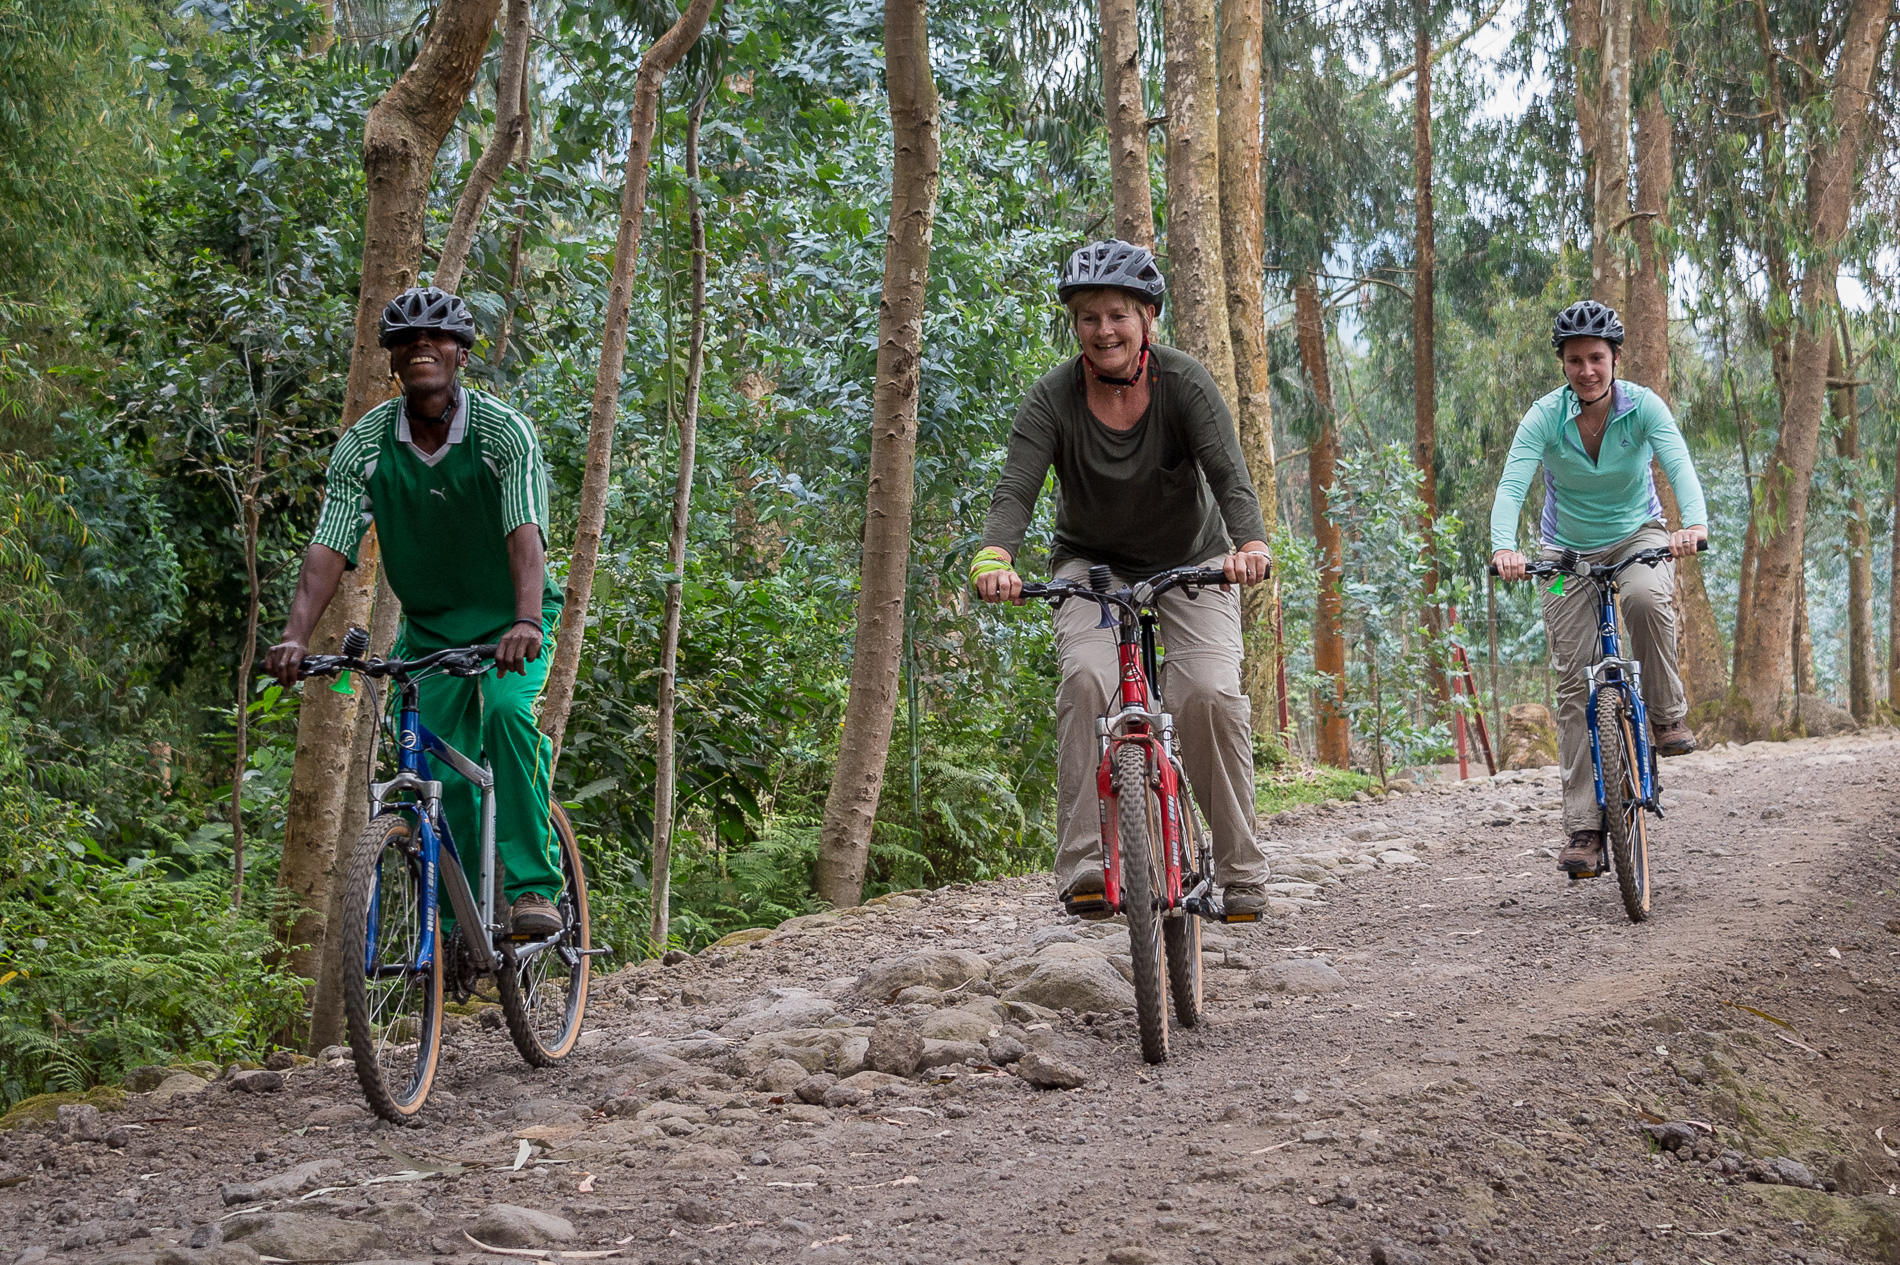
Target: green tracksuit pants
(493, 717)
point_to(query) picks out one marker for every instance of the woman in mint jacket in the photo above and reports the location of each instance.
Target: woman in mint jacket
(1594, 437)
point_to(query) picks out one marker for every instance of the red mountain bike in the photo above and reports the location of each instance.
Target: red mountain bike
(1156, 864)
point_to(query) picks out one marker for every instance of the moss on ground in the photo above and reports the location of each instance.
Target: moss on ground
(43, 1107)
(1866, 1227)
(1283, 788)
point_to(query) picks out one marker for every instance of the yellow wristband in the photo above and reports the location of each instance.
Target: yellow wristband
(989, 561)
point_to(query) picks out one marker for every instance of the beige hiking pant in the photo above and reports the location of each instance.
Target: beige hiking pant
(1200, 685)
(1646, 630)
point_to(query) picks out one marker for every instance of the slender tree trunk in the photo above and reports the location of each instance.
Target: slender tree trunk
(1862, 690)
(660, 57)
(509, 121)
(1243, 248)
(1585, 29)
(401, 136)
(1802, 638)
(858, 781)
(1610, 170)
(1761, 683)
(247, 655)
(1333, 733)
(1424, 377)
(1127, 112)
(1198, 282)
(1893, 597)
(523, 153)
(664, 774)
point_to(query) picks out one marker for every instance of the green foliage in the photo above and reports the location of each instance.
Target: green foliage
(1281, 789)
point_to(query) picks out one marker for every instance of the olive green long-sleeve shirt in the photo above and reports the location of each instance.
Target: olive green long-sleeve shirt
(1172, 491)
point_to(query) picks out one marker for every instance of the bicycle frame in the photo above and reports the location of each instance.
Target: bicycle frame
(440, 860)
(1613, 671)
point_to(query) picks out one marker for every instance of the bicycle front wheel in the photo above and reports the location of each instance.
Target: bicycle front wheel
(544, 998)
(1181, 930)
(1138, 828)
(1623, 815)
(392, 997)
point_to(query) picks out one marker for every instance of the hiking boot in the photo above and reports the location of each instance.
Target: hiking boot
(1674, 738)
(1085, 897)
(534, 915)
(1244, 898)
(1582, 857)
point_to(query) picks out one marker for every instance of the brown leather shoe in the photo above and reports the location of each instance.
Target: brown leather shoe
(1582, 857)
(1675, 738)
(534, 915)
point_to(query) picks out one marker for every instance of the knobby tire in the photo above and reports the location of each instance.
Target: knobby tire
(545, 1000)
(1623, 814)
(1181, 933)
(1139, 837)
(394, 1020)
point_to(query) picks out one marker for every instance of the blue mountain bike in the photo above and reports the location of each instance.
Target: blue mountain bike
(1621, 753)
(398, 959)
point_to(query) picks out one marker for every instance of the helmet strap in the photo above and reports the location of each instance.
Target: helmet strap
(1141, 366)
(1600, 398)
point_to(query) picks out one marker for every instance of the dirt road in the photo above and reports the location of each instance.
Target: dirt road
(1435, 1051)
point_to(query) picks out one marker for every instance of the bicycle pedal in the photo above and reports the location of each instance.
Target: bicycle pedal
(1088, 910)
(1253, 917)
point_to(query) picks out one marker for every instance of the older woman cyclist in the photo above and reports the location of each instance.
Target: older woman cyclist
(1149, 476)
(1594, 437)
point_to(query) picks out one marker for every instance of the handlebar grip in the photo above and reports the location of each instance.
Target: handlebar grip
(1702, 545)
(484, 652)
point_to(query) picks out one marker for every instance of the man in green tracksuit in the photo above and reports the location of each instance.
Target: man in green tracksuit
(455, 482)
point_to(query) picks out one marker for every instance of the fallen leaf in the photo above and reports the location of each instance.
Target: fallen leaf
(521, 1156)
(1761, 1014)
(1891, 1153)
(908, 1179)
(587, 1184)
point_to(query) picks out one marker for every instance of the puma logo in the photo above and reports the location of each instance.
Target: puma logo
(439, 492)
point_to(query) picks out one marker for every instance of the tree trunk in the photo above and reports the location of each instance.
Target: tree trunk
(660, 57)
(1803, 637)
(1762, 684)
(400, 139)
(664, 774)
(1196, 278)
(1332, 731)
(523, 152)
(1585, 22)
(1646, 354)
(857, 782)
(1424, 378)
(509, 121)
(1893, 598)
(1243, 247)
(1127, 111)
(1610, 170)
(247, 651)
(1862, 692)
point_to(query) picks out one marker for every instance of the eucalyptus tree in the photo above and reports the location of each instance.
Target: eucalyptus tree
(916, 134)
(1198, 275)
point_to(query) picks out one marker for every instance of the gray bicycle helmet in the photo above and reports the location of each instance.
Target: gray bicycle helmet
(1114, 264)
(1587, 319)
(425, 307)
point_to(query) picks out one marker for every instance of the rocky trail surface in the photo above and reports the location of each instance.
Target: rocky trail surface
(1435, 1050)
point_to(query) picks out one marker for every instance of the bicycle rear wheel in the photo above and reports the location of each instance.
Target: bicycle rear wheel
(1623, 815)
(392, 1004)
(544, 999)
(1139, 840)
(1181, 930)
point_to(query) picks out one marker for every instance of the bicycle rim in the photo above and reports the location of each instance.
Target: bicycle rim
(1181, 932)
(392, 1007)
(1623, 818)
(1138, 839)
(545, 999)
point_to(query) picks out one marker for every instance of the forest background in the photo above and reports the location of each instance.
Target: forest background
(184, 241)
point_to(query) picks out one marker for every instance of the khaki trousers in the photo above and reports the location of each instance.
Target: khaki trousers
(1646, 629)
(1200, 685)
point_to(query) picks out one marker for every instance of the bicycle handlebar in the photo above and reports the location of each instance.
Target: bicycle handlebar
(1570, 563)
(1141, 593)
(457, 658)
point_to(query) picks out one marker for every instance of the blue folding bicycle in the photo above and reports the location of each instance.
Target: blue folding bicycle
(1621, 753)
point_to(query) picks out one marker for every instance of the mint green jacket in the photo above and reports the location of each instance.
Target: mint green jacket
(1593, 504)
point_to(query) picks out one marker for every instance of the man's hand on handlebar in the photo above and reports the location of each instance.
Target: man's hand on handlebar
(1509, 564)
(518, 647)
(284, 661)
(1687, 541)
